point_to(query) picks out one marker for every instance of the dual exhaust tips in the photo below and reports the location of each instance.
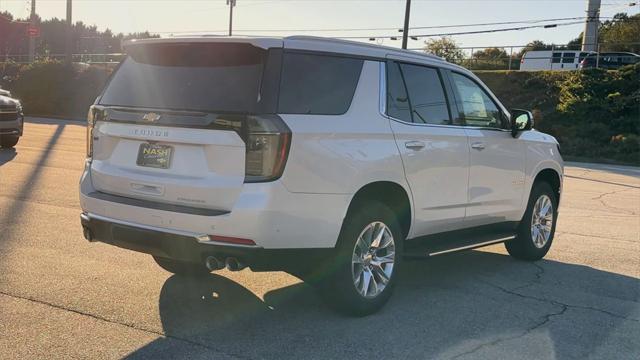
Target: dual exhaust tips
(216, 263)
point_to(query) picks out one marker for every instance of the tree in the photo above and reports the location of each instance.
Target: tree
(491, 53)
(444, 47)
(533, 46)
(86, 39)
(622, 33)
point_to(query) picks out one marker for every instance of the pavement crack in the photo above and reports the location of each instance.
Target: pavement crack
(545, 319)
(537, 280)
(595, 236)
(562, 308)
(558, 303)
(601, 199)
(131, 326)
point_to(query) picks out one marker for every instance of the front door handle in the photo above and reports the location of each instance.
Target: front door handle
(414, 145)
(477, 146)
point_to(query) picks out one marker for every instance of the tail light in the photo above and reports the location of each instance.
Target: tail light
(90, 122)
(96, 113)
(267, 140)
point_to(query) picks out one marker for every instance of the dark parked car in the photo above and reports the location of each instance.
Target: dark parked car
(609, 60)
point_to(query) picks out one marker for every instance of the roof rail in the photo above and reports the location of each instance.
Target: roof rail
(360, 44)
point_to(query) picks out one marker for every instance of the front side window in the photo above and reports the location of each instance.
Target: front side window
(475, 106)
(317, 84)
(426, 95)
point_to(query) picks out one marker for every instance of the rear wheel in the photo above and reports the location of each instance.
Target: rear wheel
(361, 278)
(538, 225)
(8, 141)
(182, 267)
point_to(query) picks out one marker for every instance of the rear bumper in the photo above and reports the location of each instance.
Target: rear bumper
(266, 213)
(192, 248)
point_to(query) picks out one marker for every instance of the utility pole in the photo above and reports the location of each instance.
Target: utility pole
(232, 4)
(69, 39)
(405, 32)
(32, 39)
(590, 34)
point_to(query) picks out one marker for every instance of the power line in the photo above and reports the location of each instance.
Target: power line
(415, 36)
(384, 28)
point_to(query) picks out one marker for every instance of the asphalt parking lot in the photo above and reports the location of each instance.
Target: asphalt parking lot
(62, 297)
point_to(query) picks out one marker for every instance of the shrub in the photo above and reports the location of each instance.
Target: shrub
(50, 88)
(594, 114)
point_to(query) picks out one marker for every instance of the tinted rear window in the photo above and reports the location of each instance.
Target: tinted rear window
(317, 84)
(215, 77)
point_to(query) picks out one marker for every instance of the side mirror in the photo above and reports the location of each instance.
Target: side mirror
(521, 120)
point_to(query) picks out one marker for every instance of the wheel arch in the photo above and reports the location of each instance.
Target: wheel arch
(551, 177)
(390, 193)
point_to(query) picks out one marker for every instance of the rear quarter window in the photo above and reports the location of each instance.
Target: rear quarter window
(317, 84)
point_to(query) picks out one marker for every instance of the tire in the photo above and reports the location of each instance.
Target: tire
(182, 268)
(527, 246)
(8, 141)
(342, 283)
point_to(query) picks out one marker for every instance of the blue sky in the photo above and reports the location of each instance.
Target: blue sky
(167, 16)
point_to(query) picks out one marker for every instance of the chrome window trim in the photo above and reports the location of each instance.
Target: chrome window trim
(383, 107)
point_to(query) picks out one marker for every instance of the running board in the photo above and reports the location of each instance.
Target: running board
(445, 243)
(471, 246)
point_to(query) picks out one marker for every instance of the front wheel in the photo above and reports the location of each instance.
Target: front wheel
(538, 225)
(182, 268)
(8, 141)
(361, 278)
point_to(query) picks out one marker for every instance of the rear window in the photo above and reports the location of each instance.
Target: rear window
(317, 84)
(212, 77)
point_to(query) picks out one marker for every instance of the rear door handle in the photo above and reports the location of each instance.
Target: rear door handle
(477, 146)
(414, 145)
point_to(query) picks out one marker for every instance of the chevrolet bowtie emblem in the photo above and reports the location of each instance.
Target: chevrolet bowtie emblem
(151, 117)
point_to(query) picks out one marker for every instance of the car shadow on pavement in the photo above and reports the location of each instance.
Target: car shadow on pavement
(462, 304)
(7, 155)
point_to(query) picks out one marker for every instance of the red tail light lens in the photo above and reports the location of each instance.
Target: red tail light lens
(96, 113)
(267, 147)
(231, 240)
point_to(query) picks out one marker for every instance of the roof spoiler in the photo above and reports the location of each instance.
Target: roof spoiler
(264, 43)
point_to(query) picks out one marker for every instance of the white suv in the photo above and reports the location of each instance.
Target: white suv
(328, 159)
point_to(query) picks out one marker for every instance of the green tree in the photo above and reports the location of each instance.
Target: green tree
(533, 46)
(622, 33)
(491, 53)
(444, 47)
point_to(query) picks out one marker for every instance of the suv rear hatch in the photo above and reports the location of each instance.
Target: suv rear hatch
(172, 124)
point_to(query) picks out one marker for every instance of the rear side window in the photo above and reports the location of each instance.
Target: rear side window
(210, 77)
(397, 99)
(317, 84)
(555, 57)
(426, 95)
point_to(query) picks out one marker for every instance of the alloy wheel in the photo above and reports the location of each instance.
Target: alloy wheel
(541, 221)
(373, 259)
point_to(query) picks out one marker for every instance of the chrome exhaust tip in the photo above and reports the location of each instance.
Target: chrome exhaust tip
(232, 264)
(213, 263)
